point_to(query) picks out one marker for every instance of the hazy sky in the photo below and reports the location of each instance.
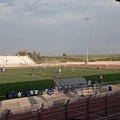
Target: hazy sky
(54, 27)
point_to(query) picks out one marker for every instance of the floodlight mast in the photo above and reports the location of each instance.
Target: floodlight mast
(87, 19)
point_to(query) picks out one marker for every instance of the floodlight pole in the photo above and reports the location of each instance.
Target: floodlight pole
(87, 19)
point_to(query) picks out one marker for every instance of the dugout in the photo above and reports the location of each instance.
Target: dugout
(70, 83)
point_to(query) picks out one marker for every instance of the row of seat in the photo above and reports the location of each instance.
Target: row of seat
(15, 60)
(100, 106)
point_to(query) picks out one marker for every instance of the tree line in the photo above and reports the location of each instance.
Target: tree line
(36, 57)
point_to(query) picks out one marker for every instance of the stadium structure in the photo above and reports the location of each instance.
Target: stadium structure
(13, 61)
(25, 61)
(73, 102)
(68, 106)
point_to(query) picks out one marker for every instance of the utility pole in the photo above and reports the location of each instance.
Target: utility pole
(87, 19)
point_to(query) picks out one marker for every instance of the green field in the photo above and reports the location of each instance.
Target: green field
(20, 79)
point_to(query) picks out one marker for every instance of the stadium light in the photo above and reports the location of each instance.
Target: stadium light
(87, 19)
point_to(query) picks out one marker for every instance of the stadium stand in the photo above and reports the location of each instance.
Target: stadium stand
(27, 60)
(97, 106)
(100, 106)
(53, 113)
(2, 63)
(113, 104)
(12, 60)
(15, 61)
(32, 115)
(77, 108)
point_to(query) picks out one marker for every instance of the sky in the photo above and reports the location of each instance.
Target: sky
(57, 27)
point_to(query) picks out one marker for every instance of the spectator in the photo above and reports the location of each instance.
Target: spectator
(36, 92)
(6, 95)
(13, 95)
(56, 90)
(50, 91)
(31, 92)
(25, 93)
(19, 94)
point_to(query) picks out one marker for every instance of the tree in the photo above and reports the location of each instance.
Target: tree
(34, 56)
(21, 53)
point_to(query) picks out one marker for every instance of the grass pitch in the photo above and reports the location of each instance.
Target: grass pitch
(19, 79)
